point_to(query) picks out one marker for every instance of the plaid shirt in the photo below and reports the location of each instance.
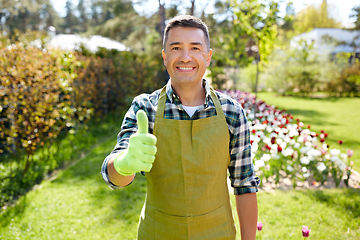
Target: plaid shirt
(241, 172)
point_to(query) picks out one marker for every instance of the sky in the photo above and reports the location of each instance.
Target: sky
(341, 9)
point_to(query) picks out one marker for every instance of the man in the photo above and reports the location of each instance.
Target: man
(195, 135)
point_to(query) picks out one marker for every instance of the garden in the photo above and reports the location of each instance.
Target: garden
(61, 111)
(62, 193)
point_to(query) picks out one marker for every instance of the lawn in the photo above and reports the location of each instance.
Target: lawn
(77, 204)
(339, 117)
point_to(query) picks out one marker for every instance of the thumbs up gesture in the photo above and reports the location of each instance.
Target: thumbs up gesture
(140, 154)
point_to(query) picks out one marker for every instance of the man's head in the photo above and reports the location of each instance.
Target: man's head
(186, 21)
(186, 50)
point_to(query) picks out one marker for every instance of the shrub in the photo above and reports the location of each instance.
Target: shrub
(347, 84)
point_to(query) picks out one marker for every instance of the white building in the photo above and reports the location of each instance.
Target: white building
(72, 42)
(331, 40)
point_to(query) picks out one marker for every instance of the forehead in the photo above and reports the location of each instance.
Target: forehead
(186, 35)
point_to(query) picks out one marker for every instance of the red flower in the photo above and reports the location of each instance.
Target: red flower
(340, 142)
(308, 126)
(253, 131)
(279, 148)
(273, 140)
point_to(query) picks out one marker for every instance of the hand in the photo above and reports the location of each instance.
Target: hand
(140, 154)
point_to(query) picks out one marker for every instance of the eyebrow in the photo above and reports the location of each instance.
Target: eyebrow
(192, 43)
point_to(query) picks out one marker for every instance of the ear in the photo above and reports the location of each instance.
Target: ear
(208, 60)
(164, 56)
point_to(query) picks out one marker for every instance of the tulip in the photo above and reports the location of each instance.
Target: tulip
(350, 153)
(259, 226)
(305, 231)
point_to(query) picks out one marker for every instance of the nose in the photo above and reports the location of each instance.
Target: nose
(185, 56)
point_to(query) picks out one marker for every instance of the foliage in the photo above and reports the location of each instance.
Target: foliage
(300, 69)
(252, 35)
(356, 14)
(315, 17)
(27, 15)
(47, 95)
(347, 84)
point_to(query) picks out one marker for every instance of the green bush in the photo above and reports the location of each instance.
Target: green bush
(347, 84)
(47, 97)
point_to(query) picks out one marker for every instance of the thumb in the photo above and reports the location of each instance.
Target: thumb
(142, 121)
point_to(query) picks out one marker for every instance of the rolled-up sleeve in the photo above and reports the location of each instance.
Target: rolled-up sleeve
(105, 175)
(128, 128)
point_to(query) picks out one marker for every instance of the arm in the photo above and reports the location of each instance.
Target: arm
(135, 146)
(115, 177)
(139, 155)
(246, 206)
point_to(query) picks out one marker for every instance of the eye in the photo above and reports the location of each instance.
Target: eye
(196, 48)
(175, 48)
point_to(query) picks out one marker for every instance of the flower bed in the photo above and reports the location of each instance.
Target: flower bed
(282, 146)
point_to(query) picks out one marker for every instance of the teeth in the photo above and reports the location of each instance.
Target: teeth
(185, 68)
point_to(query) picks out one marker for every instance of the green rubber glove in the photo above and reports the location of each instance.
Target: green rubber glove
(140, 154)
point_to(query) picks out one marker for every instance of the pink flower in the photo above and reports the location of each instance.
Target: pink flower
(305, 231)
(350, 153)
(259, 226)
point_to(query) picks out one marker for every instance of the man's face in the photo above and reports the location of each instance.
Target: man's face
(186, 55)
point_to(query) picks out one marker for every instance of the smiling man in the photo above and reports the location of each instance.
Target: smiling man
(187, 138)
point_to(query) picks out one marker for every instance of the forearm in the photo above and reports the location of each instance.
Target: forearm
(115, 177)
(246, 205)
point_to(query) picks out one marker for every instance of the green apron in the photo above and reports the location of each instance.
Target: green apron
(187, 194)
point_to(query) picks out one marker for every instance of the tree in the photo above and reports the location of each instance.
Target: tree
(356, 14)
(83, 19)
(70, 20)
(253, 32)
(315, 17)
(192, 8)
(26, 15)
(161, 19)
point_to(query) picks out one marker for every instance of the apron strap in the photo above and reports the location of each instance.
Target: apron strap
(161, 103)
(216, 101)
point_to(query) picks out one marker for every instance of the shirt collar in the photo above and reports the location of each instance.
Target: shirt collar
(174, 98)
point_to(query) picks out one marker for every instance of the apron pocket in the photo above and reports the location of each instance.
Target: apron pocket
(170, 227)
(217, 225)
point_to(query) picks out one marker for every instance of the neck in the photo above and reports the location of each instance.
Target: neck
(190, 95)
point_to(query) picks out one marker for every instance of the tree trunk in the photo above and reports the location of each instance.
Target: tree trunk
(27, 165)
(192, 9)
(162, 19)
(256, 83)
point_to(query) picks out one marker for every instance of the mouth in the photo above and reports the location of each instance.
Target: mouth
(185, 69)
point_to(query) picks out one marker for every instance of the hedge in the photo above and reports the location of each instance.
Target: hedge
(45, 95)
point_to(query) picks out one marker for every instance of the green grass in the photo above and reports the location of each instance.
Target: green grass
(71, 147)
(339, 117)
(78, 205)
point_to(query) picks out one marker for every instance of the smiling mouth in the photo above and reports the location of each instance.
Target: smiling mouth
(185, 68)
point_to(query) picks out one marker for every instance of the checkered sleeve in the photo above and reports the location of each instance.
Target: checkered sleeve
(241, 170)
(129, 127)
